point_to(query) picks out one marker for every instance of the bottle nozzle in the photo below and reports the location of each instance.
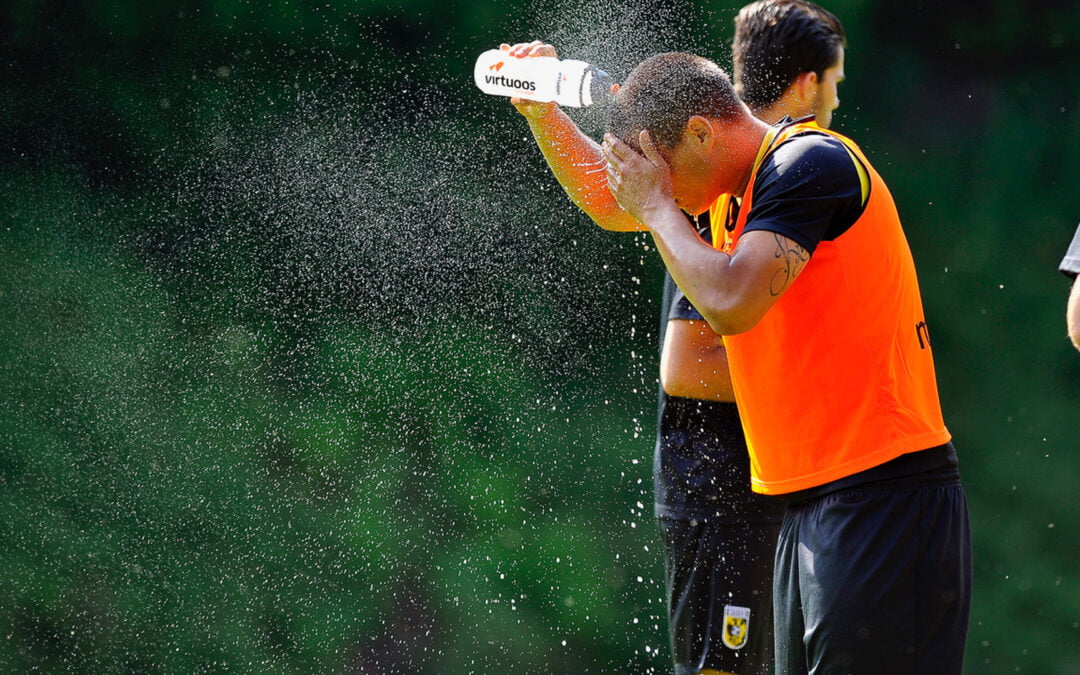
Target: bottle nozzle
(599, 86)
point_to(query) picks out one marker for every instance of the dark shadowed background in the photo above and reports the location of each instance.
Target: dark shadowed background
(308, 365)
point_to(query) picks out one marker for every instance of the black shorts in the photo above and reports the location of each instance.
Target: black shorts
(719, 585)
(874, 579)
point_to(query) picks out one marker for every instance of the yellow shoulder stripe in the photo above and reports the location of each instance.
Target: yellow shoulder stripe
(864, 177)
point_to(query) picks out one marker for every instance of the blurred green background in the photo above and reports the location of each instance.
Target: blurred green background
(308, 366)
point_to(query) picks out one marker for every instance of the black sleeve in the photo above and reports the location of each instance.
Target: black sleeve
(808, 190)
(678, 306)
(681, 307)
(1070, 264)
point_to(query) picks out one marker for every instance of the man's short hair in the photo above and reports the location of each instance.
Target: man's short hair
(776, 40)
(664, 91)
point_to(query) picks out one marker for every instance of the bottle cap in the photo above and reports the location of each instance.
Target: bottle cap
(598, 86)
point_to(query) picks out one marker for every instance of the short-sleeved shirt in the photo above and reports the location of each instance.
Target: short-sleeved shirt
(807, 191)
(1070, 264)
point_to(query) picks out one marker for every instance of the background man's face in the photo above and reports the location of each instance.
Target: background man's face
(827, 100)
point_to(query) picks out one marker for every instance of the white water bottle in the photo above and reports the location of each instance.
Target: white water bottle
(541, 78)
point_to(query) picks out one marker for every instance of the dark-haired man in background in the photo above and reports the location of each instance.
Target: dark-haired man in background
(788, 57)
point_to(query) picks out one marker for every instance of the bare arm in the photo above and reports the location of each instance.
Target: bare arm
(732, 292)
(693, 363)
(1072, 314)
(574, 158)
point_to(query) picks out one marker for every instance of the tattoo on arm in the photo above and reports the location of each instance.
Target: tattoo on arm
(794, 258)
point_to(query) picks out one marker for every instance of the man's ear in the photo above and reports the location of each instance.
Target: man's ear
(805, 85)
(699, 131)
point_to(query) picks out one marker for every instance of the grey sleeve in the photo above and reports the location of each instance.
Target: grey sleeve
(1070, 264)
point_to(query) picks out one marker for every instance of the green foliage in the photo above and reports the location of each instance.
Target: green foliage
(309, 366)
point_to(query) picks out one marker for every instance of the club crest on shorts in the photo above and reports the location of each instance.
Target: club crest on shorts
(736, 626)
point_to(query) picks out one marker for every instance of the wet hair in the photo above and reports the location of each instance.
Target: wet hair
(776, 40)
(664, 91)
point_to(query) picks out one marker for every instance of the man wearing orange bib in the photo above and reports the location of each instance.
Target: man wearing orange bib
(813, 288)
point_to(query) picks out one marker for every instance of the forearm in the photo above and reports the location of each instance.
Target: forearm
(693, 362)
(578, 165)
(705, 274)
